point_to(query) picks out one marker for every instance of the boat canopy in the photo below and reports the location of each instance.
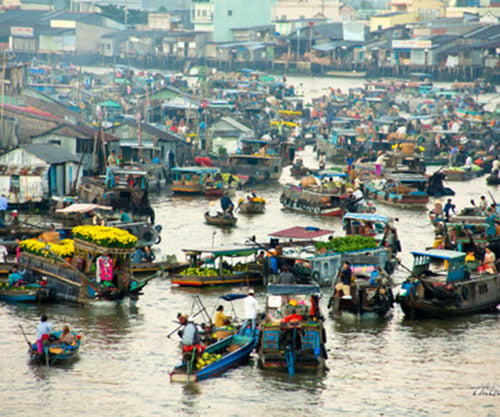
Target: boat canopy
(367, 217)
(455, 269)
(196, 170)
(225, 251)
(408, 177)
(83, 208)
(299, 232)
(295, 289)
(330, 173)
(126, 171)
(232, 297)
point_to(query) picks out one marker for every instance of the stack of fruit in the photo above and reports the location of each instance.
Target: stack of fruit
(207, 359)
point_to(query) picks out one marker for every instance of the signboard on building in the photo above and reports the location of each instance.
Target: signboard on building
(22, 32)
(411, 44)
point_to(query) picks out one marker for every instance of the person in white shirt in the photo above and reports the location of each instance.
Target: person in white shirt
(3, 254)
(359, 200)
(251, 310)
(43, 332)
(468, 163)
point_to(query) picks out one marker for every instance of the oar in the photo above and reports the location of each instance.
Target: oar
(25, 337)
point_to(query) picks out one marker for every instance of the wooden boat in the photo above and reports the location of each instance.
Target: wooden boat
(369, 297)
(121, 189)
(403, 190)
(434, 291)
(253, 206)
(220, 220)
(347, 74)
(324, 200)
(292, 336)
(29, 293)
(148, 268)
(73, 278)
(204, 272)
(227, 353)
(299, 171)
(492, 180)
(55, 351)
(461, 174)
(197, 180)
(256, 161)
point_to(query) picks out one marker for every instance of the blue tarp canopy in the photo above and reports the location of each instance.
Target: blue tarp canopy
(366, 217)
(280, 289)
(196, 170)
(447, 255)
(225, 251)
(232, 297)
(330, 173)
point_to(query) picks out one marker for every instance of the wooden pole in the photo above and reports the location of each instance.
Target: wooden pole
(4, 69)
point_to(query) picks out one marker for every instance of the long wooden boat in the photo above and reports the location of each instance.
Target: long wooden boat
(209, 274)
(403, 190)
(197, 180)
(227, 353)
(325, 200)
(292, 336)
(55, 351)
(368, 298)
(74, 279)
(461, 174)
(254, 206)
(29, 293)
(492, 180)
(442, 293)
(220, 220)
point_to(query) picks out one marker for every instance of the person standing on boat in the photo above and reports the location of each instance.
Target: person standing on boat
(43, 332)
(227, 205)
(251, 309)
(345, 280)
(449, 207)
(359, 200)
(4, 204)
(190, 334)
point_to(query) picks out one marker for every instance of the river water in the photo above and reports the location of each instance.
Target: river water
(393, 368)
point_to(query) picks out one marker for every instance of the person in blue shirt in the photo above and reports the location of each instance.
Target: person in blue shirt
(137, 256)
(227, 205)
(3, 207)
(449, 206)
(124, 217)
(16, 278)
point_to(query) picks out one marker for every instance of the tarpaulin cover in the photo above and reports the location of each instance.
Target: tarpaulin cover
(299, 232)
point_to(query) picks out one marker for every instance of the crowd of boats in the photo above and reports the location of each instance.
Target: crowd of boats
(373, 146)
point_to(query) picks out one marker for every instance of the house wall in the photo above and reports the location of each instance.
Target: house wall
(229, 14)
(305, 9)
(202, 15)
(88, 37)
(386, 22)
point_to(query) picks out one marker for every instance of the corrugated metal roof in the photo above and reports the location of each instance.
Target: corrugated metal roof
(52, 154)
(299, 232)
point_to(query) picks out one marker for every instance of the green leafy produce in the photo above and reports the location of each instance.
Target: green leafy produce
(347, 244)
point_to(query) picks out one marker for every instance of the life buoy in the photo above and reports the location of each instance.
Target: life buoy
(316, 276)
(465, 292)
(158, 240)
(389, 267)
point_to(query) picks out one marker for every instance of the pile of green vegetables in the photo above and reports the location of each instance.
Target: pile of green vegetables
(347, 244)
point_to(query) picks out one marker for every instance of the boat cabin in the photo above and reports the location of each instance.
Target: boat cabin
(197, 180)
(210, 266)
(439, 262)
(365, 224)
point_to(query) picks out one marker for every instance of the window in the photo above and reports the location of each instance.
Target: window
(229, 12)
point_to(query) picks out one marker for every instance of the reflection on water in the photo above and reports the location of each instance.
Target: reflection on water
(395, 367)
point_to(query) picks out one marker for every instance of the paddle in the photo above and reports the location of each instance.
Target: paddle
(25, 337)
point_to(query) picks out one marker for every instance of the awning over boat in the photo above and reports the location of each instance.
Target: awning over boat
(366, 217)
(280, 289)
(196, 170)
(83, 208)
(232, 297)
(299, 232)
(225, 250)
(440, 254)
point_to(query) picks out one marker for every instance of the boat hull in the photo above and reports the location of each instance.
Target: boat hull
(226, 362)
(207, 281)
(220, 220)
(477, 295)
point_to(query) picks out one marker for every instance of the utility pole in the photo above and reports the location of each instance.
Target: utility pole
(3, 87)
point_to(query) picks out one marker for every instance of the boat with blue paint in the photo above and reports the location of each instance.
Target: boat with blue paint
(56, 351)
(292, 336)
(442, 286)
(221, 356)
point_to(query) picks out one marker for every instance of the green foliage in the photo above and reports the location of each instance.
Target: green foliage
(117, 13)
(347, 244)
